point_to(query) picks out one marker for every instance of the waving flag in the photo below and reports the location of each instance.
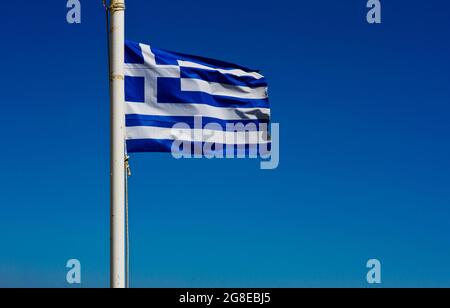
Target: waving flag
(163, 89)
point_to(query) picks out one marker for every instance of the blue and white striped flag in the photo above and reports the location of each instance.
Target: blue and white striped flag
(163, 89)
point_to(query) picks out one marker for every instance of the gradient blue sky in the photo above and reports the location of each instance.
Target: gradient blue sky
(365, 169)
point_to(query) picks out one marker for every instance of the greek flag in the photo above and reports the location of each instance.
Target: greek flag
(202, 98)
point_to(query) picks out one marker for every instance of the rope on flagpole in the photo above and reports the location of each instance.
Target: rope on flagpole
(127, 231)
(106, 6)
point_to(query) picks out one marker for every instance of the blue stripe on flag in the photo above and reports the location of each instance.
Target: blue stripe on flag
(134, 120)
(171, 58)
(165, 146)
(215, 76)
(169, 91)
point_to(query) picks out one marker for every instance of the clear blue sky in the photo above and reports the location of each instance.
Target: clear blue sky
(365, 169)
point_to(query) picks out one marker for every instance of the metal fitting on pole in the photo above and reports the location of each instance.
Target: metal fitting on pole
(117, 5)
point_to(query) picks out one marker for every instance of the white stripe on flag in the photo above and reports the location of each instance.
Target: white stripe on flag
(235, 72)
(213, 88)
(191, 110)
(196, 135)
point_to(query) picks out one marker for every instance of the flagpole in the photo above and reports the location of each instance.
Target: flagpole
(117, 151)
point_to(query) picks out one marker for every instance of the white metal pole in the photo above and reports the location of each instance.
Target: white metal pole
(117, 159)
